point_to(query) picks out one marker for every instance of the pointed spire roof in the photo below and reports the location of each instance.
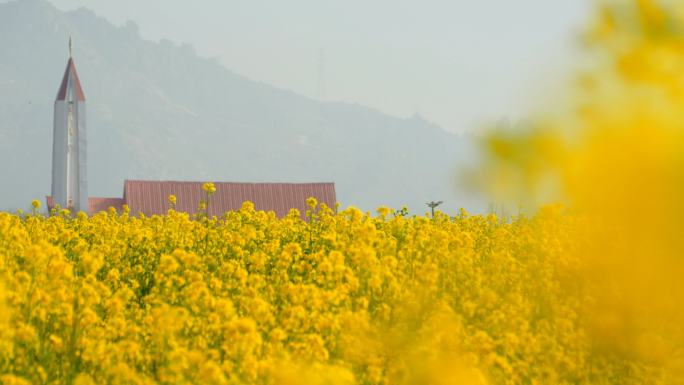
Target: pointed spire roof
(71, 74)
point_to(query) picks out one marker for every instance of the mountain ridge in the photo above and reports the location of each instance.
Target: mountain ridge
(156, 110)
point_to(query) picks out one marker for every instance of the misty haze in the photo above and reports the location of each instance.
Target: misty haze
(159, 110)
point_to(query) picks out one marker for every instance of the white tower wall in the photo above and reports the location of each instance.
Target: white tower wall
(69, 150)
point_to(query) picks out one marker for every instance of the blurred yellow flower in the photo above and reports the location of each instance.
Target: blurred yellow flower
(616, 157)
(384, 211)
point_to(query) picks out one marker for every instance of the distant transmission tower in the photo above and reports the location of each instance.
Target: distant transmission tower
(320, 87)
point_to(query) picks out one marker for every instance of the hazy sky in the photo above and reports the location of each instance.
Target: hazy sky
(456, 62)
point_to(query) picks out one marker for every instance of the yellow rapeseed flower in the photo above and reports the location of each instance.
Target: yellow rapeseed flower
(209, 188)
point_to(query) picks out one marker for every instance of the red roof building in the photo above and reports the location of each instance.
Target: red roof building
(151, 197)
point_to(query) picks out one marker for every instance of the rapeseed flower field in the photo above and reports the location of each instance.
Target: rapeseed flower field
(339, 298)
(342, 298)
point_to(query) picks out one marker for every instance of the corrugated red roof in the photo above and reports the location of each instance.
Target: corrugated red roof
(103, 204)
(151, 197)
(70, 72)
(96, 205)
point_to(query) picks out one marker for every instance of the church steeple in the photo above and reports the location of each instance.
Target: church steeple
(71, 77)
(69, 148)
